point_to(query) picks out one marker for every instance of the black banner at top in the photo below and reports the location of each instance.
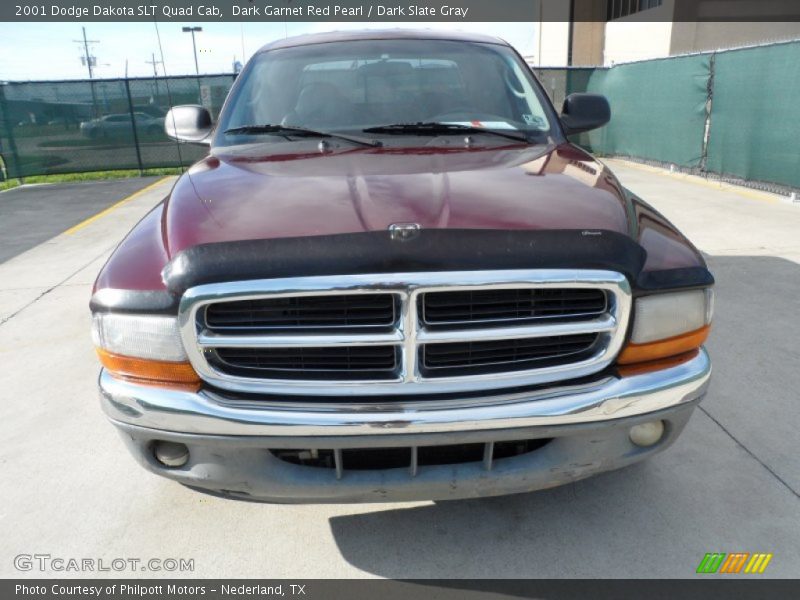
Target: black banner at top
(270, 10)
(399, 10)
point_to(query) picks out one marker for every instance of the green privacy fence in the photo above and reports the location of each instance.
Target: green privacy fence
(755, 124)
(52, 127)
(731, 113)
(659, 109)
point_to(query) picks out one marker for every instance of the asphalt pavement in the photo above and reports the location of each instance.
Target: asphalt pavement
(730, 484)
(32, 214)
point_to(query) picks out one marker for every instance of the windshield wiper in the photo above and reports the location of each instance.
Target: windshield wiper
(299, 131)
(434, 128)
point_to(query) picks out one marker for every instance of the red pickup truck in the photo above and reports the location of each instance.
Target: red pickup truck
(394, 278)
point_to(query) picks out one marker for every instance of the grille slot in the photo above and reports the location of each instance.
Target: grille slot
(303, 313)
(465, 358)
(347, 362)
(404, 457)
(517, 306)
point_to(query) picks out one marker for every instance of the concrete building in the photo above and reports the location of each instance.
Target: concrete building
(604, 32)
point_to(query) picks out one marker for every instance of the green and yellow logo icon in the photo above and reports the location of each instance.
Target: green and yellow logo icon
(734, 563)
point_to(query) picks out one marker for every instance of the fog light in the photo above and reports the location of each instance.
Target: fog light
(647, 434)
(171, 454)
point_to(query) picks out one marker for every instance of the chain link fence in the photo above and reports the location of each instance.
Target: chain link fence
(53, 127)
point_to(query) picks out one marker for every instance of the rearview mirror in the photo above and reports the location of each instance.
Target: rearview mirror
(584, 112)
(188, 123)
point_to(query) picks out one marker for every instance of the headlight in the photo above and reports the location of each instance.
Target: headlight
(667, 315)
(668, 324)
(143, 348)
(141, 336)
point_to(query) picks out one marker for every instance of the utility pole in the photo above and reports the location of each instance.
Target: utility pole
(90, 62)
(194, 30)
(155, 64)
(88, 59)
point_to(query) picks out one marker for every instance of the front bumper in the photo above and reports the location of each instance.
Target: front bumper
(229, 440)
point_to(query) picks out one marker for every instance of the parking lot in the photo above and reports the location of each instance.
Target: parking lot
(730, 484)
(28, 218)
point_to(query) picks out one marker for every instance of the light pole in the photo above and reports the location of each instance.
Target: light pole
(192, 30)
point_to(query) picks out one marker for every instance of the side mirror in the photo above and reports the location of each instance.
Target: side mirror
(584, 112)
(188, 123)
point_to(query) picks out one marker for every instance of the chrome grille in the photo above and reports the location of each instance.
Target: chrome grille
(375, 334)
(440, 360)
(475, 307)
(308, 313)
(354, 362)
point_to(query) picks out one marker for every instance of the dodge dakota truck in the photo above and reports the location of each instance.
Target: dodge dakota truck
(393, 277)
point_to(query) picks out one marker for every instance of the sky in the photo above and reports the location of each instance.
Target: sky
(38, 51)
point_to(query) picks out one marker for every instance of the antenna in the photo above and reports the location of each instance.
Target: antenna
(169, 94)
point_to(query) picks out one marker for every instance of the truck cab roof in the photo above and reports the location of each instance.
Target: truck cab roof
(381, 34)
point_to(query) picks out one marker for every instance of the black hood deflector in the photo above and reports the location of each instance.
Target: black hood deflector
(376, 252)
(426, 250)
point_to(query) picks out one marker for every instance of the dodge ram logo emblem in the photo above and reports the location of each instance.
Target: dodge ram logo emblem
(404, 231)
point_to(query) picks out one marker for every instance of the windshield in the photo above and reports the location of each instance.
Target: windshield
(356, 85)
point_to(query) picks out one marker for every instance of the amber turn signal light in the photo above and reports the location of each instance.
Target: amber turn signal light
(150, 372)
(639, 353)
(656, 365)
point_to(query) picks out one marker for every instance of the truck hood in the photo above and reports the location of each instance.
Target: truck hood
(251, 193)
